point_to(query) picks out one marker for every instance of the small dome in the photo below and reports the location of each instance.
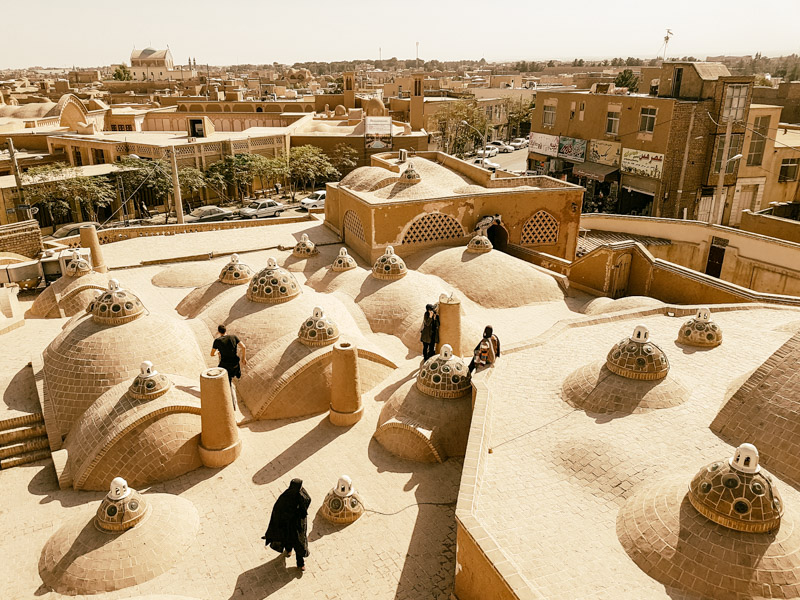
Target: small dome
(700, 331)
(273, 285)
(479, 244)
(305, 248)
(389, 266)
(340, 110)
(235, 272)
(737, 493)
(343, 262)
(77, 266)
(444, 375)
(115, 306)
(410, 175)
(342, 504)
(318, 330)
(636, 357)
(149, 384)
(122, 508)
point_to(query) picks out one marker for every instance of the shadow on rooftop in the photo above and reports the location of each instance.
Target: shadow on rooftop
(265, 579)
(45, 484)
(20, 393)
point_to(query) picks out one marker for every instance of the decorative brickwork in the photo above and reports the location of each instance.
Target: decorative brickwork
(23, 238)
(433, 227)
(541, 228)
(352, 225)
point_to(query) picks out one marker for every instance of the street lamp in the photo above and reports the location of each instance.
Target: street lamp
(718, 193)
(485, 134)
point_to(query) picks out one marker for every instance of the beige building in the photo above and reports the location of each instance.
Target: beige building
(150, 64)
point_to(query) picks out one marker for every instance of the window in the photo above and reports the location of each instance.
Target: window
(734, 149)
(99, 156)
(735, 96)
(757, 141)
(612, 122)
(647, 120)
(549, 116)
(789, 168)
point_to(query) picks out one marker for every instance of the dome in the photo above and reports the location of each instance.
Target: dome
(343, 262)
(115, 306)
(389, 266)
(374, 108)
(444, 375)
(122, 508)
(77, 266)
(235, 272)
(305, 248)
(340, 111)
(636, 357)
(342, 505)
(479, 244)
(318, 329)
(273, 285)
(700, 331)
(410, 175)
(738, 493)
(149, 383)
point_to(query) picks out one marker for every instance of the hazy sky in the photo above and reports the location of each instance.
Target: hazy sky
(83, 33)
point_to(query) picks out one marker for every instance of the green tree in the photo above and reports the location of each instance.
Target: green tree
(455, 137)
(122, 73)
(628, 80)
(344, 158)
(519, 115)
(58, 188)
(307, 165)
(154, 175)
(192, 181)
(235, 172)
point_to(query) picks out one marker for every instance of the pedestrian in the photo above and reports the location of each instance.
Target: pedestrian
(429, 333)
(277, 189)
(487, 350)
(228, 346)
(287, 524)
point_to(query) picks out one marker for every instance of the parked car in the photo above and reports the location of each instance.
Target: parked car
(315, 200)
(69, 230)
(518, 143)
(502, 146)
(488, 152)
(258, 209)
(486, 164)
(207, 214)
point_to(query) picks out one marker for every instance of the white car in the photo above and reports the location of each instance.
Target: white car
(315, 200)
(502, 146)
(258, 209)
(488, 152)
(486, 164)
(518, 143)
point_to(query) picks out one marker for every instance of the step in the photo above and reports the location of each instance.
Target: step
(21, 421)
(22, 433)
(24, 459)
(13, 450)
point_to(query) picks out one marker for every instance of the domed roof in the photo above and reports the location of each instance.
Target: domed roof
(636, 357)
(305, 247)
(700, 331)
(410, 175)
(122, 508)
(318, 329)
(235, 272)
(342, 504)
(374, 108)
(273, 285)
(738, 493)
(77, 266)
(389, 266)
(340, 110)
(343, 262)
(479, 244)
(149, 383)
(444, 375)
(115, 306)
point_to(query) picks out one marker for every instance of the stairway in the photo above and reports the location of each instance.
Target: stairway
(23, 440)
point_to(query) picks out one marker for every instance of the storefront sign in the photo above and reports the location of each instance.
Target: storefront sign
(604, 152)
(640, 162)
(542, 143)
(573, 149)
(378, 133)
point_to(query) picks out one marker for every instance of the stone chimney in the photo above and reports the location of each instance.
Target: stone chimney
(219, 438)
(346, 407)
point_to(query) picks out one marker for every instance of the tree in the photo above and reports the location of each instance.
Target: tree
(344, 158)
(122, 73)
(455, 137)
(519, 114)
(192, 181)
(153, 175)
(236, 171)
(47, 189)
(309, 164)
(59, 188)
(628, 80)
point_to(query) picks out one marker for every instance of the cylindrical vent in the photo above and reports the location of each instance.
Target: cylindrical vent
(90, 240)
(219, 438)
(450, 324)
(346, 407)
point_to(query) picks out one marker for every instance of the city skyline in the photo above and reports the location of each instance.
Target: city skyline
(355, 30)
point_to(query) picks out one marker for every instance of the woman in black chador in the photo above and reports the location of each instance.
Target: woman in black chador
(287, 525)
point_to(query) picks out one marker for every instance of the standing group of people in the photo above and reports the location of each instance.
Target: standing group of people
(485, 353)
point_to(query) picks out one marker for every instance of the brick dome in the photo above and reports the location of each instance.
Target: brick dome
(115, 306)
(149, 383)
(389, 266)
(342, 505)
(305, 248)
(700, 331)
(235, 272)
(77, 266)
(122, 508)
(273, 285)
(636, 357)
(479, 244)
(444, 375)
(318, 329)
(343, 262)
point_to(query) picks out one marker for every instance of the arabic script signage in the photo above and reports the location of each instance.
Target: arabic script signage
(604, 152)
(572, 148)
(542, 143)
(640, 162)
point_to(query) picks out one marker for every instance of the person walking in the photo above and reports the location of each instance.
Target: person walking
(429, 333)
(286, 531)
(228, 346)
(487, 350)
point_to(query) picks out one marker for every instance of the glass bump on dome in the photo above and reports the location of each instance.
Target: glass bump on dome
(636, 357)
(273, 285)
(389, 266)
(479, 244)
(115, 306)
(737, 493)
(121, 509)
(410, 175)
(235, 272)
(77, 266)
(700, 331)
(444, 375)
(343, 262)
(149, 383)
(342, 504)
(318, 330)
(305, 247)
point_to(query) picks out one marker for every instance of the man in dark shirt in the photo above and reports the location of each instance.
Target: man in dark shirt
(227, 346)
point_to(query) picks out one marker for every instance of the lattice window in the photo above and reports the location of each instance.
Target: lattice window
(541, 228)
(352, 224)
(432, 227)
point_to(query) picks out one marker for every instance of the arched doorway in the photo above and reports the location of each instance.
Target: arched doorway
(498, 235)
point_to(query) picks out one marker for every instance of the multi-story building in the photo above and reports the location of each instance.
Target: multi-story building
(157, 65)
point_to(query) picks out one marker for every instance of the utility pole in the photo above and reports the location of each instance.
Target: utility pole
(176, 188)
(17, 177)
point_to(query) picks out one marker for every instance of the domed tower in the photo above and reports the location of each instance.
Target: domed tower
(700, 331)
(479, 244)
(343, 262)
(389, 266)
(318, 329)
(235, 272)
(305, 248)
(342, 505)
(636, 357)
(273, 285)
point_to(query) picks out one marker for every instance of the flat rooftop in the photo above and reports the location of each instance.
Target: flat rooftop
(173, 138)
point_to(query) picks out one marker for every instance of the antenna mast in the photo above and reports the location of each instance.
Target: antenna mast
(666, 42)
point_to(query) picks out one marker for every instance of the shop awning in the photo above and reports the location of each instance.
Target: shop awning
(643, 185)
(594, 170)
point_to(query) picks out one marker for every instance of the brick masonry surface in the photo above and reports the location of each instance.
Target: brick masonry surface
(23, 238)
